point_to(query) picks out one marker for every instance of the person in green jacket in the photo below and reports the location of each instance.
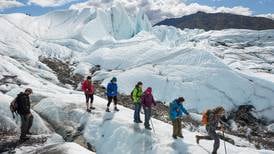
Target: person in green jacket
(136, 97)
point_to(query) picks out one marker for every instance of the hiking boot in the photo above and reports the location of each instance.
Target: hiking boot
(92, 108)
(88, 110)
(29, 133)
(24, 138)
(197, 139)
(107, 110)
(181, 136)
(116, 109)
(148, 128)
(140, 121)
(174, 136)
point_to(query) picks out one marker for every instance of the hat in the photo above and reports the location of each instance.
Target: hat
(181, 99)
(114, 79)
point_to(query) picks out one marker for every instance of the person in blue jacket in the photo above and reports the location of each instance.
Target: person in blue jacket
(112, 92)
(176, 110)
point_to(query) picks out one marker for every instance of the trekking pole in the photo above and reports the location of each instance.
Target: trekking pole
(152, 125)
(224, 142)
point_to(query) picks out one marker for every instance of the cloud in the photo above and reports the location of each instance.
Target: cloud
(5, 4)
(49, 3)
(158, 10)
(269, 15)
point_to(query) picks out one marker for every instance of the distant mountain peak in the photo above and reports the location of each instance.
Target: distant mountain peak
(219, 21)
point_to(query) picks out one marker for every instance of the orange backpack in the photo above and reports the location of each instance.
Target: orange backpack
(205, 118)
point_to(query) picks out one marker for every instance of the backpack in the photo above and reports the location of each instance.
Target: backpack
(205, 117)
(14, 107)
(131, 94)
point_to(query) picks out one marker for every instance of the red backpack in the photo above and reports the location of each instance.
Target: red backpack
(205, 117)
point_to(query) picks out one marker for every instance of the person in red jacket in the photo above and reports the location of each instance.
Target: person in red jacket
(147, 101)
(88, 89)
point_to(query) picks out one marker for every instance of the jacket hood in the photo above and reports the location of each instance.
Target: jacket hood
(149, 90)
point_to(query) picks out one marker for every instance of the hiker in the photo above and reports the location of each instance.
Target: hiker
(212, 121)
(136, 97)
(176, 110)
(88, 89)
(147, 101)
(112, 92)
(23, 109)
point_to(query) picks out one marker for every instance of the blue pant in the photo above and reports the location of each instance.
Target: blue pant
(137, 112)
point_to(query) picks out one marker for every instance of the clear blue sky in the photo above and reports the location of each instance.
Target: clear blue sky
(257, 6)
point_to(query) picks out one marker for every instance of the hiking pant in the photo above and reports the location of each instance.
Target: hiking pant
(110, 98)
(26, 123)
(137, 111)
(89, 97)
(212, 135)
(147, 116)
(177, 127)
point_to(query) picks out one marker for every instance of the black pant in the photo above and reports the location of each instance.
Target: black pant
(147, 116)
(89, 96)
(26, 123)
(110, 98)
(212, 135)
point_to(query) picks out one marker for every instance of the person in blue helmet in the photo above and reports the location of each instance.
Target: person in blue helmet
(112, 92)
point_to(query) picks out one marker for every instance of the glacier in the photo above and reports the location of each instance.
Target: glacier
(229, 68)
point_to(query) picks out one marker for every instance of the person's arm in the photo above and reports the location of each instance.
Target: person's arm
(134, 95)
(84, 86)
(153, 101)
(143, 99)
(184, 110)
(92, 88)
(108, 89)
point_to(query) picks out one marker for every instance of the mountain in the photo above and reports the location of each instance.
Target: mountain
(219, 21)
(225, 68)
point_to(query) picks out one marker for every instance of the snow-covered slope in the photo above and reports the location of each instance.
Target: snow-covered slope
(172, 61)
(207, 68)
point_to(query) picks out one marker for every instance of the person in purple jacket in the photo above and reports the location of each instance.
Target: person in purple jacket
(147, 101)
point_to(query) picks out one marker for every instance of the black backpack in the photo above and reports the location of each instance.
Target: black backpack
(131, 94)
(14, 106)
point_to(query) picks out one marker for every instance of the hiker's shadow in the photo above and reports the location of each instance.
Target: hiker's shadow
(108, 116)
(180, 146)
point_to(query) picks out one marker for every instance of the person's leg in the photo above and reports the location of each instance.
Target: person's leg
(24, 126)
(135, 113)
(175, 127)
(87, 101)
(180, 134)
(30, 121)
(115, 103)
(109, 102)
(91, 96)
(216, 139)
(146, 118)
(198, 138)
(139, 112)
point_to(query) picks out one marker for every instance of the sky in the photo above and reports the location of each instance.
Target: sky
(156, 10)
